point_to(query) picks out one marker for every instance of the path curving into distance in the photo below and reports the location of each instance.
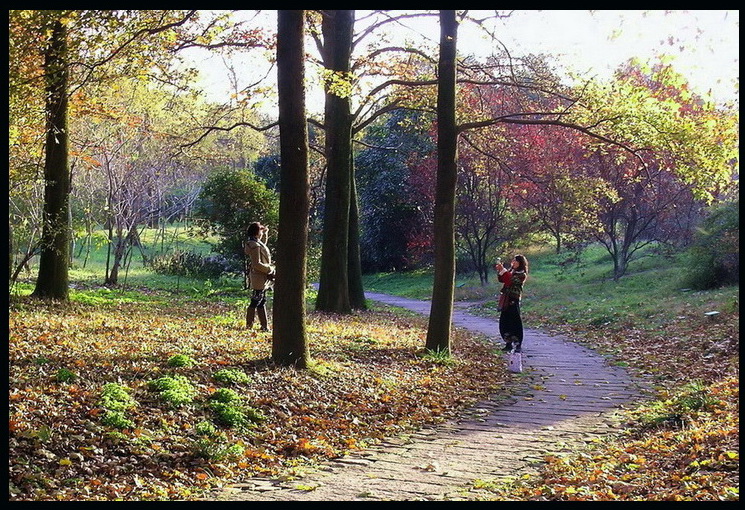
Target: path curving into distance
(566, 395)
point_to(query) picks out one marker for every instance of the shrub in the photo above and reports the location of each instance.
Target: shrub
(64, 375)
(225, 396)
(212, 444)
(190, 264)
(115, 400)
(174, 390)
(228, 415)
(180, 360)
(117, 420)
(235, 415)
(115, 397)
(229, 201)
(714, 257)
(231, 376)
(205, 428)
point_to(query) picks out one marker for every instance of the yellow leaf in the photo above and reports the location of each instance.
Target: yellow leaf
(65, 462)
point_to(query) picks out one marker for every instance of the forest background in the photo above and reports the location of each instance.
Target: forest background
(637, 164)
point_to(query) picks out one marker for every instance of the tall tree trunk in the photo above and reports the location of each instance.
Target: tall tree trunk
(333, 289)
(441, 312)
(356, 289)
(53, 278)
(289, 339)
(10, 255)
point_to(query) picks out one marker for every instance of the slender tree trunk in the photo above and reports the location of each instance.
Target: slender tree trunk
(10, 255)
(289, 340)
(120, 250)
(333, 289)
(53, 278)
(440, 317)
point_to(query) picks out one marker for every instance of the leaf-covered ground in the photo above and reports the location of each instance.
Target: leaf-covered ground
(681, 446)
(91, 418)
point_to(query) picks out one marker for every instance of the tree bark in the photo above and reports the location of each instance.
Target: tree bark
(289, 339)
(441, 312)
(10, 255)
(333, 289)
(354, 269)
(53, 278)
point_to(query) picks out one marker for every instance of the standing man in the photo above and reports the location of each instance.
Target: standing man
(260, 274)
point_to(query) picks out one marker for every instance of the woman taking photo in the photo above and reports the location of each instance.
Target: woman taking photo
(510, 321)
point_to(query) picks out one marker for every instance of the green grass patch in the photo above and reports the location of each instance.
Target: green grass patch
(411, 284)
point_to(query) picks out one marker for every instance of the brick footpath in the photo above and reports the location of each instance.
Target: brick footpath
(566, 396)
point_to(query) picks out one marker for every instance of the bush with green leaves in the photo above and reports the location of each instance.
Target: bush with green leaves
(231, 376)
(225, 395)
(713, 260)
(116, 400)
(117, 419)
(115, 397)
(174, 390)
(64, 375)
(190, 264)
(229, 410)
(181, 360)
(212, 444)
(229, 201)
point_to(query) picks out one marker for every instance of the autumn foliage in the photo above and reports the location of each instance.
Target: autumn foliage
(683, 444)
(369, 379)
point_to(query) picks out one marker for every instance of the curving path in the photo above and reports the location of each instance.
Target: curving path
(566, 395)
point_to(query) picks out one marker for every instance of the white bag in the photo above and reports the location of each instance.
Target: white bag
(515, 363)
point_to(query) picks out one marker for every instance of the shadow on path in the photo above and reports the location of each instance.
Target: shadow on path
(566, 395)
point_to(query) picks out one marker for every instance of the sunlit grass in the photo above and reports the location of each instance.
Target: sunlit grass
(581, 292)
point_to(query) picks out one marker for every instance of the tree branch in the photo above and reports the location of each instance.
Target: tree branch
(210, 129)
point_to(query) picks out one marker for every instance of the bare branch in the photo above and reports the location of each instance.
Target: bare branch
(210, 129)
(389, 19)
(394, 49)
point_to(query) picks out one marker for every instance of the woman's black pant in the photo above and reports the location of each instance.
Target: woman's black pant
(511, 323)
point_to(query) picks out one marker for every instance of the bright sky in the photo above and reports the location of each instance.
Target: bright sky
(704, 43)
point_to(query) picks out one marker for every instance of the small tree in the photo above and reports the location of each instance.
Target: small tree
(229, 201)
(714, 257)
